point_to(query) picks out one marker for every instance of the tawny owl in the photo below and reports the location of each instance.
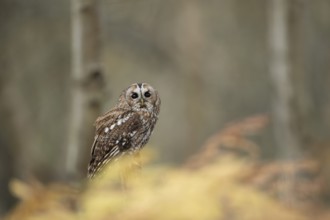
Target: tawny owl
(127, 127)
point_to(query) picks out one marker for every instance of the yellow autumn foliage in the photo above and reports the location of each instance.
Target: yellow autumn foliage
(126, 192)
(212, 185)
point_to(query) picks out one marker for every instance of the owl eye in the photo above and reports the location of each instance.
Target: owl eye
(134, 95)
(147, 94)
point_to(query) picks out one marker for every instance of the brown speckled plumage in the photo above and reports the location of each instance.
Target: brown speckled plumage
(125, 128)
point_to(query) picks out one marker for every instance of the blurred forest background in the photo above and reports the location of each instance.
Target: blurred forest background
(263, 64)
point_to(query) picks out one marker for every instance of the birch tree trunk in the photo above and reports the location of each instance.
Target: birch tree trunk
(87, 87)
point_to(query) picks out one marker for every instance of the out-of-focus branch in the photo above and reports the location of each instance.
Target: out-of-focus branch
(88, 84)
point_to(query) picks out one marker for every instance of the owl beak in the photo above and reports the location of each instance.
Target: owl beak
(142, 103)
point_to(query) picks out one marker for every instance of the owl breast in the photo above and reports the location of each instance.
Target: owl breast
(142, 136)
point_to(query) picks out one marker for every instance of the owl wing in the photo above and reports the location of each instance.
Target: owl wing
(114, 133)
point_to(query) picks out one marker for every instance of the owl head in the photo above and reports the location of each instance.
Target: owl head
(140, 97)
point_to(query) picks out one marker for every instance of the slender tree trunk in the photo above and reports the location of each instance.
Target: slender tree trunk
(283, 69)
(302, 103)
(190, 40)
(87, 87)
(286, 73)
